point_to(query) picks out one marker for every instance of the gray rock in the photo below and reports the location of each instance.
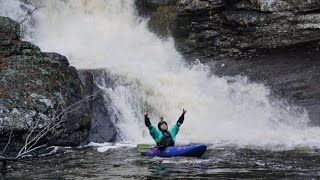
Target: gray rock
(275, 5)
(58, 57)
(226, 28)
(156, 3)
(160, 12)
(102, 128)
(38, 90)
(9, 28)
(151, 5)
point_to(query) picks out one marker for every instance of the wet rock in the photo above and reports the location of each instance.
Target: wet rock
(160, 20)
(273, 42)
(160, 14)
(157, 3)
(58, 57)
(9, 28)
(145, 7)
(102, 127)
(275, 5)
(38, 90)
(240, 29)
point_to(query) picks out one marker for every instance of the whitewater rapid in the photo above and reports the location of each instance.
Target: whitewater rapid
(151, 75)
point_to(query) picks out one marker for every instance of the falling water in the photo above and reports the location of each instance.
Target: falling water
(149, 74)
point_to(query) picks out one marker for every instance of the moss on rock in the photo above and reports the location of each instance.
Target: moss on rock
(161, 20)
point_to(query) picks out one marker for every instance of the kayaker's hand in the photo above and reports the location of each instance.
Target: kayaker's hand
(184, 111)
(147, 120)
(181, 118)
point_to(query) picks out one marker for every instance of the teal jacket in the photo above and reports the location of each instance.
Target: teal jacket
(157, 134)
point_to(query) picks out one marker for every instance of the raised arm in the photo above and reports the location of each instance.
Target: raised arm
(154, 132)
(175, 129)
(147, 120)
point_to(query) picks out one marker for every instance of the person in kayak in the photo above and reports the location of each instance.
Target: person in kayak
(162, 136)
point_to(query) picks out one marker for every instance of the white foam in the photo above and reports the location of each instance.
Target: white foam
(103, 147)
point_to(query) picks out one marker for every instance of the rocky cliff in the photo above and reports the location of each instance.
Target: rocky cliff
(40, 92)
(271, 41)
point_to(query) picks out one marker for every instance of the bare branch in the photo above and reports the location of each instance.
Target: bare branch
(29, 151)
(27, 15)
(5, 148)
(30, 144)
(34, 127)
(36, 141)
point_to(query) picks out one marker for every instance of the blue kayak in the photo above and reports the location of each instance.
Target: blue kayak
(174, 151)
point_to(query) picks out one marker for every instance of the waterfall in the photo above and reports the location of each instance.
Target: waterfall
(149, 74)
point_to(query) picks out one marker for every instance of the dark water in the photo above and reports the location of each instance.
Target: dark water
(126, 163)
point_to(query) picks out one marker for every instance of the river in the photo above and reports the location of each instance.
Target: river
(124, 162)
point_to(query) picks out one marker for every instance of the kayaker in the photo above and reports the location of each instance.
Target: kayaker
(162, 136)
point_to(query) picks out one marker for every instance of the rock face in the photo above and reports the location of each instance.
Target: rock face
(146, 7)
(239, 29)
(275, 42)
(271, 41)
(38, 90)
(102, 128)
(161, 14)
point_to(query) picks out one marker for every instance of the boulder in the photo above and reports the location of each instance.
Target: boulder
(9, 28)
(38, 90)
(102, 128)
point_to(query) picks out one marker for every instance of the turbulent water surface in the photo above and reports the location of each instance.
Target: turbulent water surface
(249, 132)
(123, 162)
